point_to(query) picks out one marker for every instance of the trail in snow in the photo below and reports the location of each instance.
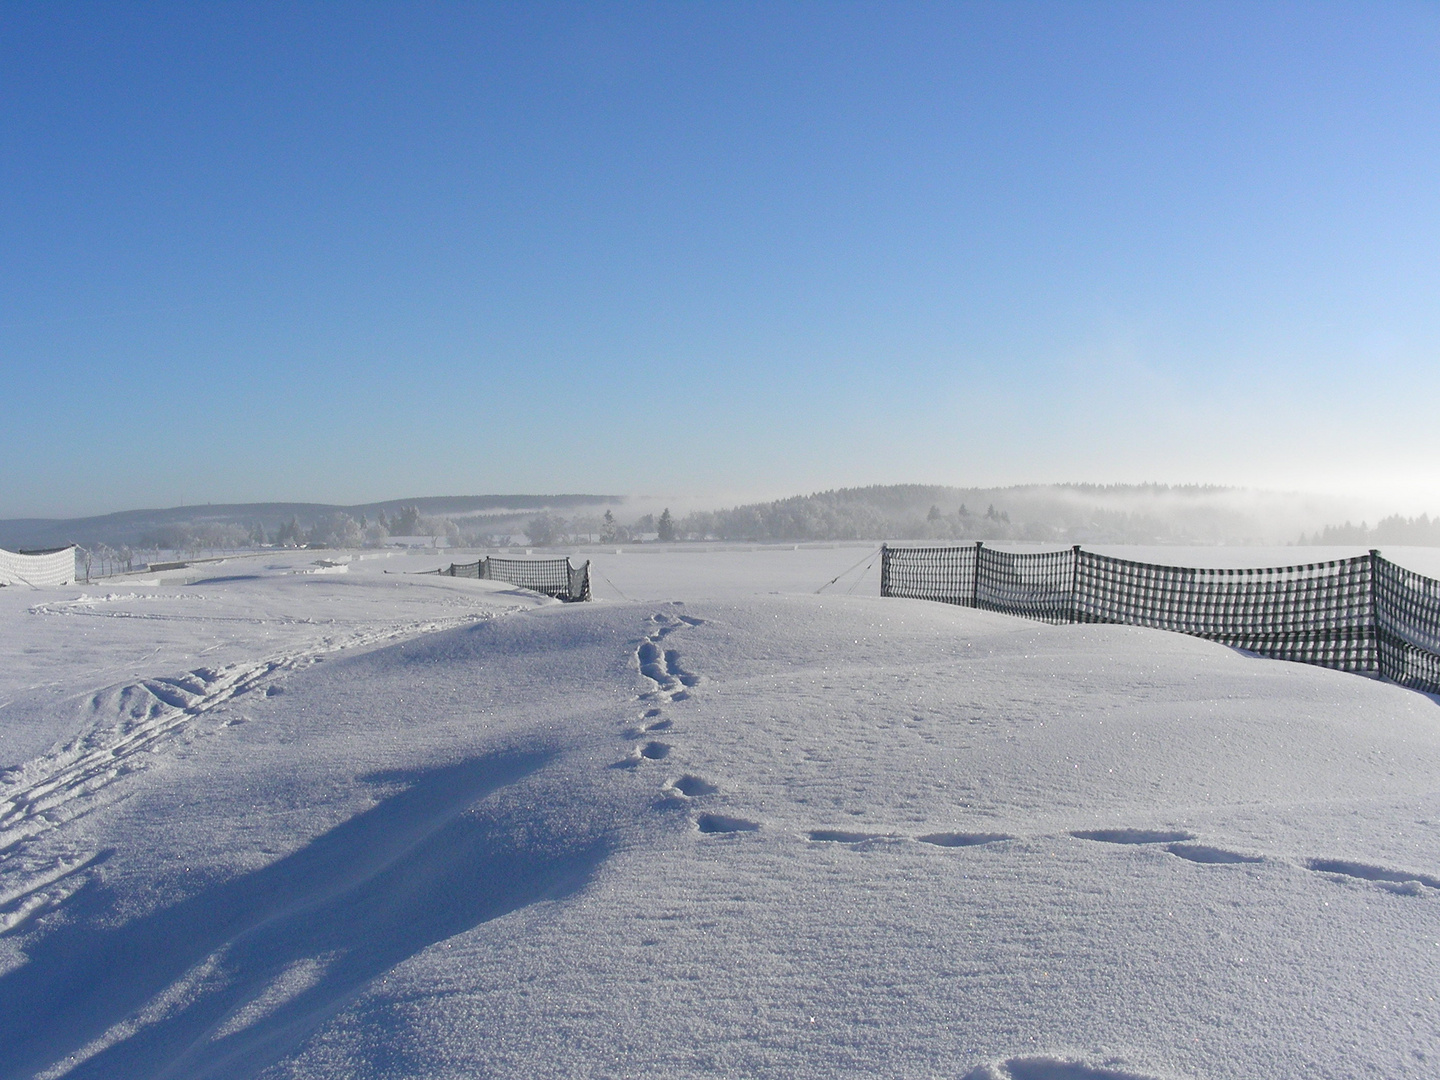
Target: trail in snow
(660, 665)
(130, 725)
(141, 718)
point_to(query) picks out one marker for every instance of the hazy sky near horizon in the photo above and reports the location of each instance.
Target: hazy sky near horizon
(367, 251)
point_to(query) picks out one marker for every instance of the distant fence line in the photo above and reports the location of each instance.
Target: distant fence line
(1363, 614)
(553, 577)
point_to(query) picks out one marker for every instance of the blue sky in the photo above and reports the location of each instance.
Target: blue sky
(353, 252)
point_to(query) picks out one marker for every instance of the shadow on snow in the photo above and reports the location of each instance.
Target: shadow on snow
(421, 866)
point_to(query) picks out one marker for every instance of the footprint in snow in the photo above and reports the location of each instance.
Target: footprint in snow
(842, 836)
(648, 729)
(940, 839)
(1402, 882)
(651, 751)
(963, 839)
(662, 666)
(692, 787)
(1050, 1068)
(1213, 856)
(719, 823)
(674, 670)
(670, 623)
(1132, 836)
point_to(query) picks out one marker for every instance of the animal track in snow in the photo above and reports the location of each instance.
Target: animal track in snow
(1396, 881)
(1050, 1068)
(1132, 836)
(962, 839)
(1213, 856)
(720, 823)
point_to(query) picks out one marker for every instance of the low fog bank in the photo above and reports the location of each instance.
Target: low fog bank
(1045, 513)
(1048, 513)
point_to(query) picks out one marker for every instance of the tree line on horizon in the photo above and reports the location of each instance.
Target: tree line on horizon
(1422, 531)
(1058, 514)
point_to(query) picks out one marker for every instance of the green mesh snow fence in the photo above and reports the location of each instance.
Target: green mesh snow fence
(1363, 614)
(1407, 626)
(553, 577)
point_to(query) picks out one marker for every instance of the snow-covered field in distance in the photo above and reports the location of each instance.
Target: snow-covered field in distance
(661, 571)
(726, 827)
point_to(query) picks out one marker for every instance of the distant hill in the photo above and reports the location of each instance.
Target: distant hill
(136, 528)
(1046, 513)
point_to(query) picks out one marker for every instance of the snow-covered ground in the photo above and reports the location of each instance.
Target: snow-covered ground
(724, 827)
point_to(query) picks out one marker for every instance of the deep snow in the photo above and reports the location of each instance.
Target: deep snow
(739, 835)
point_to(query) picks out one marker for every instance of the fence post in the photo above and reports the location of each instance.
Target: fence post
(884, 570)
(1075, 584)
(975, 580)
(1375, 612)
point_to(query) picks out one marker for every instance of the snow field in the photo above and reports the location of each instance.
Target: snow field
(84, 740)
(752, 836)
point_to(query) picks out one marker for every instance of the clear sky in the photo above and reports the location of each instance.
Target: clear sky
(343, 252)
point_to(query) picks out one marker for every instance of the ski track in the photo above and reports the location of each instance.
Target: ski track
(130, 725)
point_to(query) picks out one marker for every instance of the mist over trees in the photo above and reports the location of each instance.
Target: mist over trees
(1052, 514)
(1422, 531)
(1068, 514)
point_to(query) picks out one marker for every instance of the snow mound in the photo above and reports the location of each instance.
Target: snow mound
(785, 836)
